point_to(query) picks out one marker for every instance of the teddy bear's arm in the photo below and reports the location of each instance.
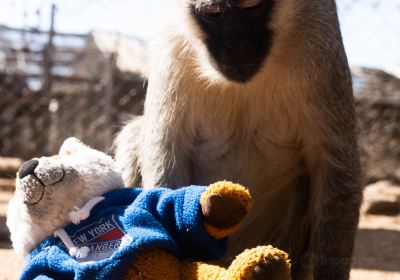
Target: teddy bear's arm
(198, 218)
(224, 205)
(179, 212)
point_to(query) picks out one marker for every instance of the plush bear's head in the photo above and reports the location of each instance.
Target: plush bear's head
(48, 188)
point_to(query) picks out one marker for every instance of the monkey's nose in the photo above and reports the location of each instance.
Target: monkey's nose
(28, 168)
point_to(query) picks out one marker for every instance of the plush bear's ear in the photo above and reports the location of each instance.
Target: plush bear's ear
(71, 145)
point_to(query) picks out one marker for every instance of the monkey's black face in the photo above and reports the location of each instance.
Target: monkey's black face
(236, 35)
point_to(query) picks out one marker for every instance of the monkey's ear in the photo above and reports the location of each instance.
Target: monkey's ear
(71, 145)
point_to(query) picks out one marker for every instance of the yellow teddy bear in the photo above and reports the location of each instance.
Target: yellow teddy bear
(223, 205)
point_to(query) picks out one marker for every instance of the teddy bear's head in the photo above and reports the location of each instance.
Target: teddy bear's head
(48, 188)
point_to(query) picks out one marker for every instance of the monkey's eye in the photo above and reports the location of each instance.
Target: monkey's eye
(249, 3)
(254, 6)
(212, 11)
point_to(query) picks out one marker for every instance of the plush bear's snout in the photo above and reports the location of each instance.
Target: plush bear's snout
(50, 175)
(30, 189)
(35, 175)
(28, 168)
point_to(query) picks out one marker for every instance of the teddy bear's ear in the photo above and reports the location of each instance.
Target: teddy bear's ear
(71, 145)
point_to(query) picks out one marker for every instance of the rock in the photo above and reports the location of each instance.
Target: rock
(4, 199)
(377, 96)
(382, 198)
(4, 232)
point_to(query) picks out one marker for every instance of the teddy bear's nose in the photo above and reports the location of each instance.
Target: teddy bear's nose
(28, 168)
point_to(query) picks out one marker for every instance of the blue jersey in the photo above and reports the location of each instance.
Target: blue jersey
(122, 226)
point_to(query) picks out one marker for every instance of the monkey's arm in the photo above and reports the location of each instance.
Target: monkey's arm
(163, 160)
(336, 191)
(126, 147)
(334, 232)
(146, 149)
(164, 156)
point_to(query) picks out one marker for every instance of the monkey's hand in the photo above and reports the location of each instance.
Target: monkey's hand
(224, 205)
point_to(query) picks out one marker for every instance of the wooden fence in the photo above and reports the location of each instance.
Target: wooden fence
(53, 86)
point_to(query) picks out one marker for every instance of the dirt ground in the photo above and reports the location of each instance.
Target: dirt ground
(377, 252)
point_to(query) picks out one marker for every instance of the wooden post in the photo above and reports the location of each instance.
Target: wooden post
(44, 138)
(48, 54)
(111, 110)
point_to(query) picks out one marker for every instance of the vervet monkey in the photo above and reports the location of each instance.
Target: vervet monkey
(257, 92)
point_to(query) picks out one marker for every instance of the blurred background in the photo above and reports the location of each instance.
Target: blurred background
(77, 68)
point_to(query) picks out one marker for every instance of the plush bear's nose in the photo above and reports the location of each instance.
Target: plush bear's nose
(28, 168)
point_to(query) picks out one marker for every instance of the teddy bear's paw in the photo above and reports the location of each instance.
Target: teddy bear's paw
(272, 269)
(262, 262)
(224, 205)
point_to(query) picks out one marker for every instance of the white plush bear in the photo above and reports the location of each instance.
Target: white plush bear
(63, 184)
